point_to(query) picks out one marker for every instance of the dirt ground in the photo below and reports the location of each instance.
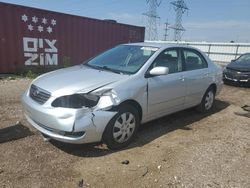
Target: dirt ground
(186, 149)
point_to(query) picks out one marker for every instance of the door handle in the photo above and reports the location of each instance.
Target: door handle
(182, 78)
(205, 75)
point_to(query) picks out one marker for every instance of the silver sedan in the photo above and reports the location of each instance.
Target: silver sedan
(107, 98)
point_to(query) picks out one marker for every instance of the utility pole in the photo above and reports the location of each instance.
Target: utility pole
(166, 30)
(151, 14)
(180, 8)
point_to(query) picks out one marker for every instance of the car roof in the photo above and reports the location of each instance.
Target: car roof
(160, 45)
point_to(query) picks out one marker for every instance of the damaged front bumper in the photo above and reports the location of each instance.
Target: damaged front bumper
(64, 124)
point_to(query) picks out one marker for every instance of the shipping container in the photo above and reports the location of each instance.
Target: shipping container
(31, 37)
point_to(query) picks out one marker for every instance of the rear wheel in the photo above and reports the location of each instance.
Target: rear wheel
(207, 100)
(122, 128)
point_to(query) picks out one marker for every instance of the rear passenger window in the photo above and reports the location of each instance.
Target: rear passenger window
(193, 60)
(170, 59)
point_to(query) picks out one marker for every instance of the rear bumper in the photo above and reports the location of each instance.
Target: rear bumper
(66, 125)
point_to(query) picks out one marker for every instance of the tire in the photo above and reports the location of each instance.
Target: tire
(207, 101)
(122, 128)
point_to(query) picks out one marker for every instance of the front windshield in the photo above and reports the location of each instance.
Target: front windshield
(123, 58)
(244, 58)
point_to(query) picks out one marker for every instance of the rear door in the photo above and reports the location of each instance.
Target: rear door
(196, 73)
(166, 93)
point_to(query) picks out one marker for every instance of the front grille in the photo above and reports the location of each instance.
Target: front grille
(39, 95)
(233, 74)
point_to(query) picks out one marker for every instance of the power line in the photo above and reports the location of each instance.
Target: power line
(180, 8)
(151, 14)
(166, 30)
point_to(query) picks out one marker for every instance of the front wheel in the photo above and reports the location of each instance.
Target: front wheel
(207, 100)
(122, 128)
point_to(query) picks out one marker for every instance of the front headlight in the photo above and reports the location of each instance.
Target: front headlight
(103, 99)
(76, 101)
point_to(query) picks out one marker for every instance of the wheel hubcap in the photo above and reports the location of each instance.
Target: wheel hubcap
(209, 100)
(124, 127)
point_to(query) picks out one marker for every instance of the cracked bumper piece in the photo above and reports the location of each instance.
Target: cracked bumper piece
(76, 126)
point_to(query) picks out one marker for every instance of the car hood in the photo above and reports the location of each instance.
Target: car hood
(76, 79)
(239, 66)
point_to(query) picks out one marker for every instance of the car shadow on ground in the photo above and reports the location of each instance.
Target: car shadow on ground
(239, 85)
(14, 132)
(147, 132)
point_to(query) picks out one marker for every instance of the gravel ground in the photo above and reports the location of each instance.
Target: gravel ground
(185, 149)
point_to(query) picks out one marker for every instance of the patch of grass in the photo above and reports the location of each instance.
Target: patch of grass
(66, 61)
(9, 77)
(31, 74)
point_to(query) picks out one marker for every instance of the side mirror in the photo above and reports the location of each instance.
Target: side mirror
(233, 60)
(157, 71)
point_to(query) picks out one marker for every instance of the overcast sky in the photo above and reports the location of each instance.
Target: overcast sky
(206, 20)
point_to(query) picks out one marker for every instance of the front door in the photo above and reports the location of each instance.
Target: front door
(166, 93)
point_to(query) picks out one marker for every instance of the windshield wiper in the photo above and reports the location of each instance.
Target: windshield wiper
(109, 69)
(104, 68)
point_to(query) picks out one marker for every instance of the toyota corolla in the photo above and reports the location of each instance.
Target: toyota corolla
(108, 97)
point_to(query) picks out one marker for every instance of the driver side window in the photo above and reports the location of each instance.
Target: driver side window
(169, 58)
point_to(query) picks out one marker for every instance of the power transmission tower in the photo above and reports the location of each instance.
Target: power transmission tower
(151, 14)
(180, 8)
(166, 30)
